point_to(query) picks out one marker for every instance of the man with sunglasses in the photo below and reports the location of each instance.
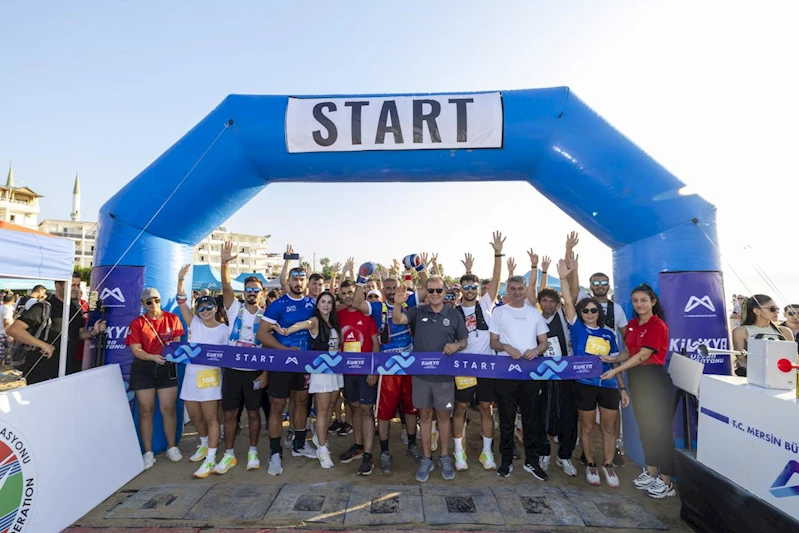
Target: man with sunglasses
(284, 312)
(477, 317)
(151, 374)
(241, 384)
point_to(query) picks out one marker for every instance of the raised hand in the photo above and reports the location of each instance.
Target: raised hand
(183, 271)
(425, 259)
(396, 268)
(511, 266)
(468, 261)
(400, 297)
(545, 262)
(434, 259)
(349, 264)
(572, 262)
(498, 242)
(533, 258)
(227, 252)
(572, 240)
(289, 249)
(563, 269)
(336, 268)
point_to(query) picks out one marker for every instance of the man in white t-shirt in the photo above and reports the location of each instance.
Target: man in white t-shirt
(477, 315)
(519, 330)
(241, 384)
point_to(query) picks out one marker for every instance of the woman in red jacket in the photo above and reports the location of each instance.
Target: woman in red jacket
(651, 390)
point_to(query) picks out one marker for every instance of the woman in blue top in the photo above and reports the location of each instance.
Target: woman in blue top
(590, 337)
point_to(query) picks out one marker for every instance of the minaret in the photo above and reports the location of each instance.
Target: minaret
(75, 215)
(10, 179)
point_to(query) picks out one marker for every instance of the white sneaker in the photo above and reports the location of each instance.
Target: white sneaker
(253, 461)
(644, 481)
(306, 451)
(544, 461)
(460, 461)
(200, 454)
(610, 476)
(275, 465)
(205, 469)
(227, 462)
(659, 490)
(149, 460)
(323, 454)
(487, 460)
(434, 442)
(567, 466)
(288, 440)
(174, 455)
(592, 475)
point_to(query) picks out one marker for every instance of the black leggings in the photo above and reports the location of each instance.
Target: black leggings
(652, 397)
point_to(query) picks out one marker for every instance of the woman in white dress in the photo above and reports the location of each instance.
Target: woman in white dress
(325, 336)
(202, 385)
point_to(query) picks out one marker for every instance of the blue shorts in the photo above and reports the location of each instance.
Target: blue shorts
(356, 390)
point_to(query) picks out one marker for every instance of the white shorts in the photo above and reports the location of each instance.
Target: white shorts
(201, 383)
(325, 383)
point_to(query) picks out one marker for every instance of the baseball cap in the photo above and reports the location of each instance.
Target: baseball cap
(374, 293)
(150, 292)
(205, 300)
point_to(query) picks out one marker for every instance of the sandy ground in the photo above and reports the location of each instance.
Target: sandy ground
(9, 378)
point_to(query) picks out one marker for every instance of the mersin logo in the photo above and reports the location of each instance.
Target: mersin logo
(694, 302)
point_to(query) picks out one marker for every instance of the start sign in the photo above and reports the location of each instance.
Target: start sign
(432, 122)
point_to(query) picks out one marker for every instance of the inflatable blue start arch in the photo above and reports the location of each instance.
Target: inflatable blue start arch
(546, 137)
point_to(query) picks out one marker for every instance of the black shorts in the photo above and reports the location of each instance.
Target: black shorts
(357, 390)
(282, 383)
(150, 375)
(237, 387)
(464, 395)
(486, 389)
(587, 397)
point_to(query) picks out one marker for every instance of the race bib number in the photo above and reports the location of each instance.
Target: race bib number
(597, 346)
(553, 348)
(352, 346)
(464, 382)
(208, 379)
(245, 344)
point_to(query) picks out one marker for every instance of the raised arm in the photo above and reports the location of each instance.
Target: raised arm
(284, 274)
(334, 277)
(574, 281)
(545, 262)
(532, 287)
(227, 287)
(182, 298)
(565, 288)
(423, 277)
(496, 275)
(398, 317)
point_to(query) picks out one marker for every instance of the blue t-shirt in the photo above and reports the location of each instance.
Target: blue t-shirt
(400, 339)
(594, 341)
(285, 312)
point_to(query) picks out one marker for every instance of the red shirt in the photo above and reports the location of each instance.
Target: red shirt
(168, 327)
(653, 335)
(356, 331)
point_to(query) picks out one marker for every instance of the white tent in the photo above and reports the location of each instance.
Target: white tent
(31, 254)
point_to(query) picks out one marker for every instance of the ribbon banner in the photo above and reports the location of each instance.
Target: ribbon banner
(383, 363)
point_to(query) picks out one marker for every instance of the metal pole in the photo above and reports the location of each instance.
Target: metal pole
(62, 362)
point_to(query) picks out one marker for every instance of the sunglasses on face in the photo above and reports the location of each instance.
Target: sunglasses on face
(449, 298)
(469, 287)
(297, 274)
(255, 290)
(602, 283)
(792, 313)
(773, 309)
(436, 291)
(151, 301)
(373, 297)
(205, 308)
(592, 310)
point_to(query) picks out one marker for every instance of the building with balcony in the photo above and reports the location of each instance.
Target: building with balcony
(18, 205)
(83, 233)
(251, 250)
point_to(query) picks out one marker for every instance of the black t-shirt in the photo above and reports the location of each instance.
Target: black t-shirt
(33, 318)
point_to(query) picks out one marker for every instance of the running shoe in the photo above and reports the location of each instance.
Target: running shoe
(355, 452)
(487, 460)
(253, 461)
(618, 459)
(288, 440)
(414, 452)
(544, 461)
(592, 475)
(275, 465)
(434, 441)
(306, 451)
(659, 490)
(149, 460)
(643, 481)
(174, 455)
(535, 469)
(425, 467)
(227, 462)
(334, 427)
(367, 465)
(447, 469)
(505, 470)
(345, 429)
(460, 461)
(385, 462)
(200, 454)
(205, 469)
(568, 468)
(323, 454)
(609, 473)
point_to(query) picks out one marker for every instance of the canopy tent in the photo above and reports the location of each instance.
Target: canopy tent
(17, 284)
(553, 282)
(207, 277)
(31, 254)
(245, 275)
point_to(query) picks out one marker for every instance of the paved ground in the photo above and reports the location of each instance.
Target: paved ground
(310, 497)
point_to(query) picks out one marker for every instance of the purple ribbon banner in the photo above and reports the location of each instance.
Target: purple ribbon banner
(383, 363)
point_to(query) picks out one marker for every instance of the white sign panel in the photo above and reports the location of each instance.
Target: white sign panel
(750, 435)
(65, 446)
(394, 123)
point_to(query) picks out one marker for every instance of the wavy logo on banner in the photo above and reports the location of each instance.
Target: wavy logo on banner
(323, 363)
(184, 353)
(550, 368)
(397, 364)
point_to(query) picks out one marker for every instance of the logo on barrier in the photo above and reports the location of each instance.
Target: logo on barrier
(550, 368)
(17, 480)
(323, 363)
(115, 293)
(778, 488)
(514, 368)
(694, 302)
(397, 364)
(185, 353)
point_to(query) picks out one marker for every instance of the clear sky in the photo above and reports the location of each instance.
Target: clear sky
(709, 89)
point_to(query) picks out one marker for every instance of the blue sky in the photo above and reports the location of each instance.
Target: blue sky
(707, 89)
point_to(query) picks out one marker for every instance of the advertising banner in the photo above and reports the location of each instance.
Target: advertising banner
(430, 122)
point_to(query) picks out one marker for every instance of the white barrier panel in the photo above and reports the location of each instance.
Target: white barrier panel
(65, 446)
(750, 435)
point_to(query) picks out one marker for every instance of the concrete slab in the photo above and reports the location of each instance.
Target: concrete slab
(310, 502)
(460, 505)
(234, 502)
(380, 505)
(604, 509)
(535, 505)
(162, 501)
